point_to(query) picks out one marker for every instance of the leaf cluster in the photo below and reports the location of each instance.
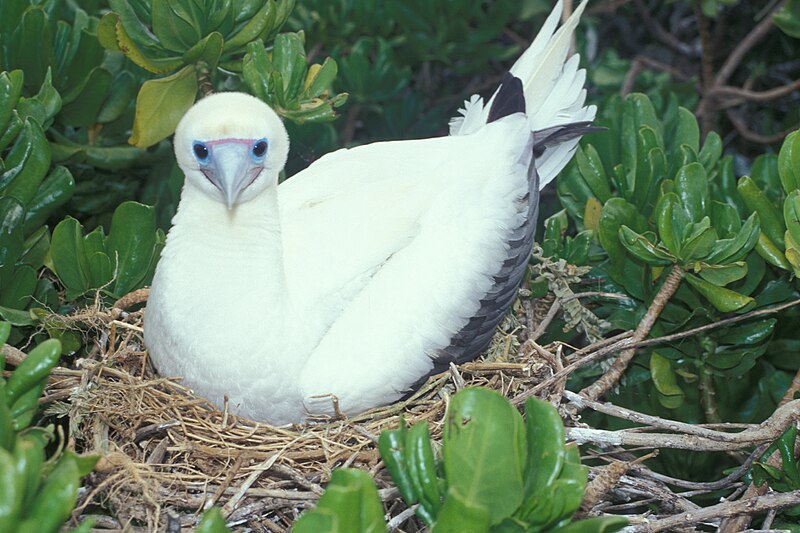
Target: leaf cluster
(497, 472)
(37, 494)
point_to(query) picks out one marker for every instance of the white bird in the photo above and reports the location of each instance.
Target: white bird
(341, 288)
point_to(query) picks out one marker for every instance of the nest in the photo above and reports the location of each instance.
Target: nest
(167, 454)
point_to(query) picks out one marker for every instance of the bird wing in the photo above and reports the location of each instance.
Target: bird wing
(396, 244)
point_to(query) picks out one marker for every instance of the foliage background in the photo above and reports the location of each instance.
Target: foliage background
(88, 182)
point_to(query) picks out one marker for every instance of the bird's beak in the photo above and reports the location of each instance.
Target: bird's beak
(231, 169)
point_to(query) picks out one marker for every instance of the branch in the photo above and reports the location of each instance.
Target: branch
(612, 375)
(750, 40)
(722, 510)
(767, 431)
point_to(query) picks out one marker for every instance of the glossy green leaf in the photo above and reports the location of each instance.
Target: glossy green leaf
(130, 244)
(614, 214)
(691, 186)
(722, 274)
(391, 444)
(320, 78)
(791, 214)
(789, 162)
(56, 499)
(788, 18)
(10, 90)
(33, 44)
(174, 32)
(17, 290)
(643, 249)
(484, 451)
(263, 20)
(461, 515)
(725, 300)
(768, 215)
(86, 103)
(11, 492)
(11, 237)
(161, 104)
(710, 153)
(700, 242)
(665, 381)
(32, 369)
(67, 253)
(591, 168)
(207, 50)
(27, 163)
(350, 503)
(546, 453)
(771, 253)
(54, 192)
(422, 468)
(687, 131)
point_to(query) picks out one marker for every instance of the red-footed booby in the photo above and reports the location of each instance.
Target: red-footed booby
(341, 288)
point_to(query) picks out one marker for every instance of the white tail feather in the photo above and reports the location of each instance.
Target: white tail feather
(554, 92)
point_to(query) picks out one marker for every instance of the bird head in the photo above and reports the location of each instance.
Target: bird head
(232, 146)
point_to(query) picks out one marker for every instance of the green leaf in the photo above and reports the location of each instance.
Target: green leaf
(791, 214)
(771, 253)
(350, 503)
(392, 444)
(722, 274)
(614, 214)
(736, 248)
(461, 515)
(10, 90)
(711, 152)
(27, 163)
(484, 451)
(54, 192)
(422, 468)
(56, 499)
(16, 292)
(33, 369)
(788, 19)
(789, 161)
(691, 186)
(770, 218)
(161, 104)
(174, 32)
(85, 104)
(208, 50)
(725, 300)
(641, 248)
(11, 492)
(130, 244)
(665, 382)
(591, 168)
(687, 131)
(700, 242)
(11, 237)
(546, 452)
(16, 317)
(67, 252)
(262, 21)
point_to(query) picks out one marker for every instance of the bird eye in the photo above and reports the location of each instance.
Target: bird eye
(200, 151)
(259, 149)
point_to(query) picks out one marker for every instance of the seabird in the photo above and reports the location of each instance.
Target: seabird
(343, 287)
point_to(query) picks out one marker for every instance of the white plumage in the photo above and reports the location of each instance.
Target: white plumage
(345, 284)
